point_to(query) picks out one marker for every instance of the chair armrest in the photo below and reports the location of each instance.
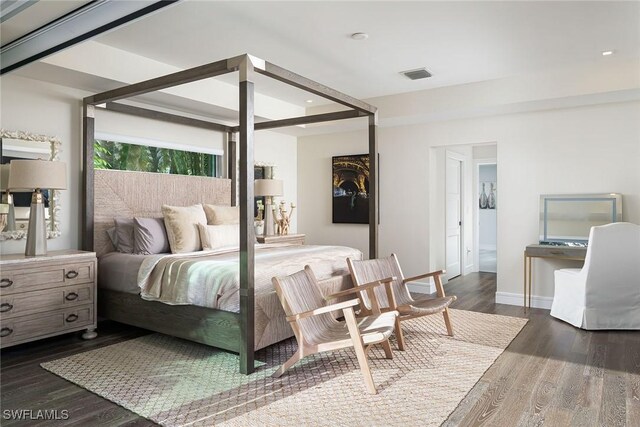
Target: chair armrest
(325, 309)
(360, 288)
(422, 276)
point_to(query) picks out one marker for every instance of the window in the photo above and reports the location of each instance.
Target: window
(144, 158)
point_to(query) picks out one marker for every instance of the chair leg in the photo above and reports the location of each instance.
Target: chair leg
(361, 354)
(399, 335)
(387, 349)
(447, 321)
(288, 364)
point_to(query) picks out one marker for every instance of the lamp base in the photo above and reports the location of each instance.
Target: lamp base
(268, 218)
(11, 214)
(37, 229)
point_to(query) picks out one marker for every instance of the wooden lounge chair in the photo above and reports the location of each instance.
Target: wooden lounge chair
(397, 296)
(317, 330)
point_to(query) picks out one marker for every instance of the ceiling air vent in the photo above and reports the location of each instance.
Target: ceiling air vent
(420, 73)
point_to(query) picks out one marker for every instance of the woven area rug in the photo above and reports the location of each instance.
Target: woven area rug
(179, 383)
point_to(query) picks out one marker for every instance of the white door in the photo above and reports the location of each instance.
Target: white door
(453, 222)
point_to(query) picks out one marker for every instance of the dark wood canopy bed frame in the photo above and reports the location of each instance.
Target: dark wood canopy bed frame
(223, 329)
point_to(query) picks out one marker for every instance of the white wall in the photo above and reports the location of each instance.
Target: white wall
(49, 109)
(282, 152)
(587, 149)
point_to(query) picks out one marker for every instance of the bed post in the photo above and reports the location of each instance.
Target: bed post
(374, 215)
(247, 233)
(232, 166)
(88, 135)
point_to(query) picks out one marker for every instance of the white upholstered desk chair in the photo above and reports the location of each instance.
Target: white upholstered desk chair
(317, 330)
(605, 293)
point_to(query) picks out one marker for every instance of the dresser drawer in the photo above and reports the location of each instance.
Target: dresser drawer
(37, 277)
(25, 328)
(24, 303)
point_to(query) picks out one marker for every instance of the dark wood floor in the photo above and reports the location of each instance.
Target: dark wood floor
(552, 374)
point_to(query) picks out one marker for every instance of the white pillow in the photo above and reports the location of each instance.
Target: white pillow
(219, 236)
(182, 227)
(219, 214)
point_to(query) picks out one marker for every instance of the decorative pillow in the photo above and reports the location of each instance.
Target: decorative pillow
(150, 236)
(124, 235)
(219, 236)
(182, 227)
(219, 214)
(112, 236)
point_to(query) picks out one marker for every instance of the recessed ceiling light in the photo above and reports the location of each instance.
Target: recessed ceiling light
(359, 36)
(607, 52)
(309, 101)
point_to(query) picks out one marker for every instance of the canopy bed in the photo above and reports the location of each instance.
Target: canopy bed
(225, 329)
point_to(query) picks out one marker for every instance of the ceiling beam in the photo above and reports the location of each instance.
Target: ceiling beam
(10, 8)
(81, 24)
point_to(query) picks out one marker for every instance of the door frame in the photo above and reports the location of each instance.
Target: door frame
(476, 209)
(462, 159)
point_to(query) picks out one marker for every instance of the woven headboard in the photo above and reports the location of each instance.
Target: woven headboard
(142, 194)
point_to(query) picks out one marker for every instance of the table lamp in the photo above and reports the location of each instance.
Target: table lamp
(36, 175)
(7, 197)
(268, 188)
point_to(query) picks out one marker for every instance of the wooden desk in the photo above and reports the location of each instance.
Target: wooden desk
(574, 253)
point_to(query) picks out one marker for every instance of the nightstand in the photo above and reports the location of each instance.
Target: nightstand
(294, 239)
(47, 295)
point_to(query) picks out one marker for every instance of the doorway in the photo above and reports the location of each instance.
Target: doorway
(487, 178)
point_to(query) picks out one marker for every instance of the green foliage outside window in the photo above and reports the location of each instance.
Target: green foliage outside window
(122, 156)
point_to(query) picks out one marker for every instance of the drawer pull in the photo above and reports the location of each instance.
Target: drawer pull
(71, 318)
(556, 252)
(5, 283)
(5, 332)
(72, 274)
(5, 306)
(71, 296)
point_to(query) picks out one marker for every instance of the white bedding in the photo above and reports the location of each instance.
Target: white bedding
(211, 279)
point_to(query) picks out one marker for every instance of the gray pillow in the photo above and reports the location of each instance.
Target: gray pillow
(150, 236)
(124, 235)
(112, 236)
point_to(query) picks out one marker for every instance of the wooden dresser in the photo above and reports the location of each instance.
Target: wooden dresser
(47, 295)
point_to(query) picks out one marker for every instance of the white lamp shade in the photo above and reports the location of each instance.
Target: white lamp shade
(268, 187)
(4, 176)
(32, 174)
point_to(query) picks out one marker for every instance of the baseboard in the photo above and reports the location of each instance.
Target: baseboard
(421, 287)
(518, 299)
